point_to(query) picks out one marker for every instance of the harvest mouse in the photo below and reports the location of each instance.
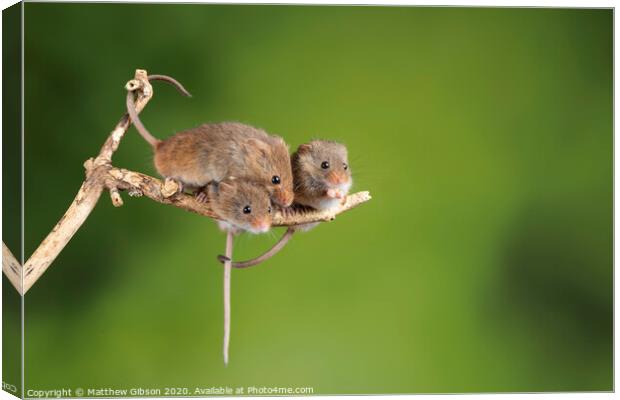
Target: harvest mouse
(322, 179)
(321, 174)
(212, 152)
(223, 161)
(243, 205)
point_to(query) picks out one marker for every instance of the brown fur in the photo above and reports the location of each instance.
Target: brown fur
(213, 152)
(314, 184)
(229, 197)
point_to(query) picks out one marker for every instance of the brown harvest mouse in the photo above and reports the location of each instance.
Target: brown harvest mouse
(239, 169)
(243, 205)
(321, 174)
(213, 152)
(322, 179)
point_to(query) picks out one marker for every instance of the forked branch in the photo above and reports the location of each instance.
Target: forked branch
(102, 175)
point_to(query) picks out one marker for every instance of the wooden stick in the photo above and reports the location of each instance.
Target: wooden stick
(167, 192)
(64, 230)
(87, 196)
(12, 268)
(293, 216)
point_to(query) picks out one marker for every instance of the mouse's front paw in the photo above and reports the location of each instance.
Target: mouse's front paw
(334, 193)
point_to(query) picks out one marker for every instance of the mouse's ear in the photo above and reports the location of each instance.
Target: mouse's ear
(304, 148)
(279, 140)
(258, 146)
(226, 187)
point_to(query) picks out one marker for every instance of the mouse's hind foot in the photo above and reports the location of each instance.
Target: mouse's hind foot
(201, 194)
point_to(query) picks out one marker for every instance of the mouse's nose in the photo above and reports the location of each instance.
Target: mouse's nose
(261, 225)
(337, 178)
(283, 198)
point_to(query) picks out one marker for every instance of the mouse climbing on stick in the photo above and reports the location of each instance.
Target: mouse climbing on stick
(236, 168)
(238, 172)
(101, 175)
(322, 179)
(213, 152)
(243, 206)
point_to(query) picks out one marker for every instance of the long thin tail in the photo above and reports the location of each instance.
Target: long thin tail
(171, 81)
(131, 108)
(227, 272)
(263, 257)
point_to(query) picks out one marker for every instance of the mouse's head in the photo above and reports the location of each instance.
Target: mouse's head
(321, 170)
(275, 161)
(242, 203)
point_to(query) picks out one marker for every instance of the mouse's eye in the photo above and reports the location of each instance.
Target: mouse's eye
(345, 166)
(247, 209)
(275, 180)
(325, 165)
(269, 210)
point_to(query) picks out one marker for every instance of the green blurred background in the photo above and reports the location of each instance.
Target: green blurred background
(483, 262)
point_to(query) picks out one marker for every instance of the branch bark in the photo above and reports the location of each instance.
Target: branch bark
(102, 175)
(12, 268)
(167, 192)
(89, 193)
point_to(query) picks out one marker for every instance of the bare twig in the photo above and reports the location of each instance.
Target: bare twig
(101, 175)
(141, 85)
(57, 239)
(87, 196)
(166, 192)
(300, 216)
(12, 268)
(297, 213)
(89, 192)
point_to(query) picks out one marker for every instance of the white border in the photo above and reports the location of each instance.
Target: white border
(565, 4)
